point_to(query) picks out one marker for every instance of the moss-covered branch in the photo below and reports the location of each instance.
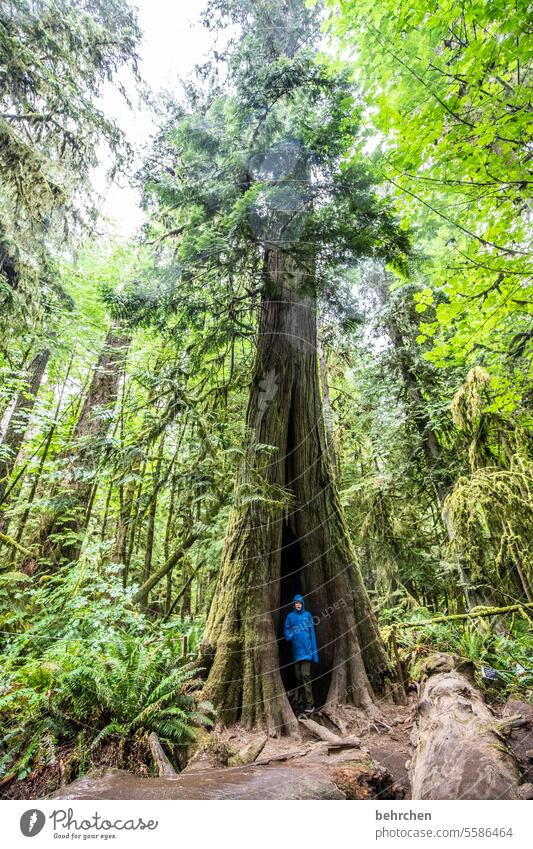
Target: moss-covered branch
(475, 613)
(14, 544)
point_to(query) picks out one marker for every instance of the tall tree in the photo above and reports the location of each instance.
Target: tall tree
(264, 200)
(61, 530)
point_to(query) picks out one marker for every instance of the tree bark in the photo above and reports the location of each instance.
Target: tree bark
(272, 551)
(460, 751)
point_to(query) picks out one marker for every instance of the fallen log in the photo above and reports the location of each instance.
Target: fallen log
(319, 731)
(475, 613)
(323, 733)
(460, 751)
(164, 767)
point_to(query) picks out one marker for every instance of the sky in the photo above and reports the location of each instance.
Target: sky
(174, 42)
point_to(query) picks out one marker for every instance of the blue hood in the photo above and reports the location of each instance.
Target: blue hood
(298, 598)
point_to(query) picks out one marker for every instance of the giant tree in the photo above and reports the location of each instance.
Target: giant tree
(256, 187)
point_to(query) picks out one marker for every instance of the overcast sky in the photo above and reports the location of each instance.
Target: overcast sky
(174, 42)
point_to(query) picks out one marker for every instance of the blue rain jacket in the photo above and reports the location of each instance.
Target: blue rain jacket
(300, 632)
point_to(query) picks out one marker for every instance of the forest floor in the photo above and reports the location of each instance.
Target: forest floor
(385, 740)
(367, 761)
(363, 759)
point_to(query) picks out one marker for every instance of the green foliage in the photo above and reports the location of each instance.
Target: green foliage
(90, 670)
(491, 507)
(449, 95)
(505, 645)
(411, 157)
(55, 58)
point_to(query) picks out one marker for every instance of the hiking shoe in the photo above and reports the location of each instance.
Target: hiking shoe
(309, 709)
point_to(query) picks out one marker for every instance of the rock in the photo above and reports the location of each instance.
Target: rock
(249, 753)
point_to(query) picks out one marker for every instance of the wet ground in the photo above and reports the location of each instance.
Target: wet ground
(252, 782)
(289, 768)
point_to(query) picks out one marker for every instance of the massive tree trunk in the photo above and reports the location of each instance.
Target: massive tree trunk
(273, 551)
(61, 532)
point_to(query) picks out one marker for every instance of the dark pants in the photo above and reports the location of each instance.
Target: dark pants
(304, 691)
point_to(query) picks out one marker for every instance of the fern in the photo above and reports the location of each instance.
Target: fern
(87, 690)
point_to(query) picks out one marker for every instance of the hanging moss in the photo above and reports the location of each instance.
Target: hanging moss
(491, 508)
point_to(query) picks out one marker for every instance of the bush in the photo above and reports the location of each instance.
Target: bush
(479, 640)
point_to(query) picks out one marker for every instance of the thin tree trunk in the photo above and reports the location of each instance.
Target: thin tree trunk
(151, 517)
(187, 578)
(166, 546)
(106, 511)
(18, 421)
(133, 525)
(44, 456)
(126, 499)
(61, 533)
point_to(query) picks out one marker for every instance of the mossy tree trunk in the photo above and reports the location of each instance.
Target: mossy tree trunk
(61, 533)
(273, 551)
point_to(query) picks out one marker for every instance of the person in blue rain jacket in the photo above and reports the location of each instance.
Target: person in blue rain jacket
(300, 632)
